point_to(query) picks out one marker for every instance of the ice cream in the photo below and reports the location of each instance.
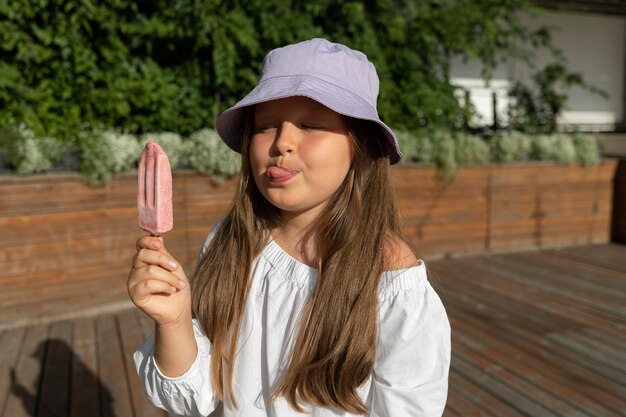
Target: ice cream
(154, 194)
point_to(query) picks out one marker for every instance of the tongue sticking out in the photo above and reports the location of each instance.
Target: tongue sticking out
(277, 173)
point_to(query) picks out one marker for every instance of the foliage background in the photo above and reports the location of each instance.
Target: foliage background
(174, 65)
(77, 72)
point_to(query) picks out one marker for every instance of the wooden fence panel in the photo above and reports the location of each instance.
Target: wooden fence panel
(69, 246)
(550, 205)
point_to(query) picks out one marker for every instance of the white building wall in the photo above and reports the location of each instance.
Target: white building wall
(594, 45)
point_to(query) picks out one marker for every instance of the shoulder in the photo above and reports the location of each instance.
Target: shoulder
(398, 254)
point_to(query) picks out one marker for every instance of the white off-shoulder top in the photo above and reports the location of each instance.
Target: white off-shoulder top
(410, 376)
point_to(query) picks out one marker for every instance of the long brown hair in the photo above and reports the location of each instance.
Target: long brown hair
(334, 349)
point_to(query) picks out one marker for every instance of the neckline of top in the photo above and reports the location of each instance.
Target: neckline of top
(295, 263)
(391, 282)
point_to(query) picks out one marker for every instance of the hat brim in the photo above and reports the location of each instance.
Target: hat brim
(229, 125)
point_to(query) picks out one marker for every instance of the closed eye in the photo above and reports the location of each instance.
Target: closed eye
(309, 126)
(263, 128)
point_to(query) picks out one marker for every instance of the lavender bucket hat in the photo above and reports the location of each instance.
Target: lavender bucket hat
(332, 74)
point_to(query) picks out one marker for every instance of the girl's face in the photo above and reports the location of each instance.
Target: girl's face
(300, 153)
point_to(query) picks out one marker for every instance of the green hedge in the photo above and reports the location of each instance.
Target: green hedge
(99, 76)
(158, 66)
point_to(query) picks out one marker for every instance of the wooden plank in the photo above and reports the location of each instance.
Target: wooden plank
(54, 268)
(556, 369)
(83, 225)
(75, 195)
(523, 379)
(501, 304)
(77, 223)
(118, 250)
(546, 173)
(558, 289)
(553, 197)
(25, 391)
(610, 359)
(484, 377)
(588, 277)
(477, 397)
(68, 305)
(10, 347)
(609, 337)
(607, 256)
(547, 358)
(131, 336)
(448, 412)
(85, 398)
(554, 224)
(114, 392)
(565, 208)
(55, 385)
(66, 289)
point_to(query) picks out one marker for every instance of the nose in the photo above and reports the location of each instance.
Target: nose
(286, 140)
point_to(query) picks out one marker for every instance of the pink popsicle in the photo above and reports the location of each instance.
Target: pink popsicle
(154, 194)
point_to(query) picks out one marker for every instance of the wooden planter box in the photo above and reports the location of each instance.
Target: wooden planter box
(506, 208)
(67, 247)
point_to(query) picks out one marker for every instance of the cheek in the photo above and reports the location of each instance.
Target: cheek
(335, 158)
(258, 154)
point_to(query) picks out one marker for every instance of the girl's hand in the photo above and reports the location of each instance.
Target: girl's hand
(157, 283)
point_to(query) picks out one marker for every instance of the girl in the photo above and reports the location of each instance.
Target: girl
(306, 298)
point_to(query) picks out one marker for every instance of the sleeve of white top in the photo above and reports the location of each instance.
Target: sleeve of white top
(190, 394)
(413, 355)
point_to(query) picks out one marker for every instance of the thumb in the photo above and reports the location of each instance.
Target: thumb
(162, 249)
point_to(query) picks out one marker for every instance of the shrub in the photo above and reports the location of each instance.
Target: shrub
(104, 153)
(107, 152)
(587, 149)
(558, 148)
(425, 148)
(210, 155)
(509, 147)
(443, 148)
(444, 154)
(470, 149)
(408, 146)
(28, 153)
(172, 144)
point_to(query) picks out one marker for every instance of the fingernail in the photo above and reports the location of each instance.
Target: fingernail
(173, 290)
(182, 283)
(172, 263)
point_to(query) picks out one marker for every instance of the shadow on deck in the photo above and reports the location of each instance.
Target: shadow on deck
(535, 334)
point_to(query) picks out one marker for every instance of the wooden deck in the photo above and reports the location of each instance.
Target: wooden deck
(535, 334)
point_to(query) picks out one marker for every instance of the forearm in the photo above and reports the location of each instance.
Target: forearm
(186, 390)
(175, 347)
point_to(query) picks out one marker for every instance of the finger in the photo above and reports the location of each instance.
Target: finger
(151, 257)
(159, 245)
(154, 272)
(155, 286)
(149, 242)
(154, 243)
